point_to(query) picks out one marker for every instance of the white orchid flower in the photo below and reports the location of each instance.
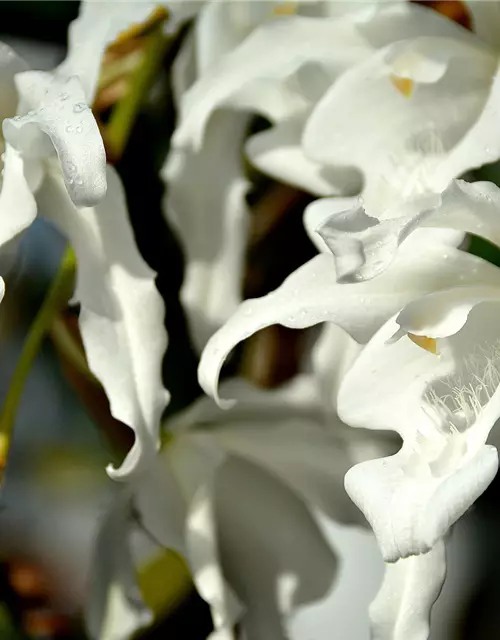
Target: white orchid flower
(221, 77)
(312, 294)
(250, 498)
(432, 375)
(55, 162)
(433, 106)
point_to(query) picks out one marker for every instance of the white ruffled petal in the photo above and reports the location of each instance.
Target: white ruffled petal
(428, 97)
(206, 205)
(272, 551)
(115, 609)
(17, 205)
(60, 120)
(203, 553)
(121, 317)
(312, 295)
(247, 79)
(409, 504)
(10, 65)
(365, 246)
(402, 608)
(278, 153)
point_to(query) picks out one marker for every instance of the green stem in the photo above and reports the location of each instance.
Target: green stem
(55, 300)
(125, 112)
(70, 349)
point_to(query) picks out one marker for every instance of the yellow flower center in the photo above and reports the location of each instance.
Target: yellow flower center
(429, 344)
(405, 86)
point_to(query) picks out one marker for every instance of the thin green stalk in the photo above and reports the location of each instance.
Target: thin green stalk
(125, 112)
(55, 300)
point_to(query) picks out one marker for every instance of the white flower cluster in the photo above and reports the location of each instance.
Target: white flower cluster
(378, 110)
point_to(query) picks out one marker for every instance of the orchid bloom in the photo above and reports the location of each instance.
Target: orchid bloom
(253, 499)
(432, 375)
(312, 294)
(55, 163)
(220, 79)
(442, 406)
(212, 220)
(434, 101)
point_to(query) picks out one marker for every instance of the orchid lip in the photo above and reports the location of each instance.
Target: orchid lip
(454, 407)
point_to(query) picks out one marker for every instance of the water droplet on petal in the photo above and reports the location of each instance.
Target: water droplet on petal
(79, 107)
(69, 129)
(64, 96)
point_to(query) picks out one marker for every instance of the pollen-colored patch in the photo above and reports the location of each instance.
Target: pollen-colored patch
(403, 85)
(285, 9)
(429, 344)
(455, 10)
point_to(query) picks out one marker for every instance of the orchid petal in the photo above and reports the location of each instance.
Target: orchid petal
(318, 212)
(313, 460)
(207, 207)
(345, 607)
(203, 548)
(444, 313)
(121, 319)
(394, 375)
(272, 551)
(160, 504)
(289, 43)
(410, 507)
(333, 345)
(17, 204)
(60, 120)
(364, 246)
(116, 609)
(10, 65)
(407, 144)
(311, 295)
(278, 152)
(222, 26)
(401, 610)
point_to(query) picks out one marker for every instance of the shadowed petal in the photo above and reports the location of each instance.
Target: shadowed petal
(121, 317)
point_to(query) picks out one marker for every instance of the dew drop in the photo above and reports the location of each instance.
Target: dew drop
(64, 96)
(69, 129)
(79, 107)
